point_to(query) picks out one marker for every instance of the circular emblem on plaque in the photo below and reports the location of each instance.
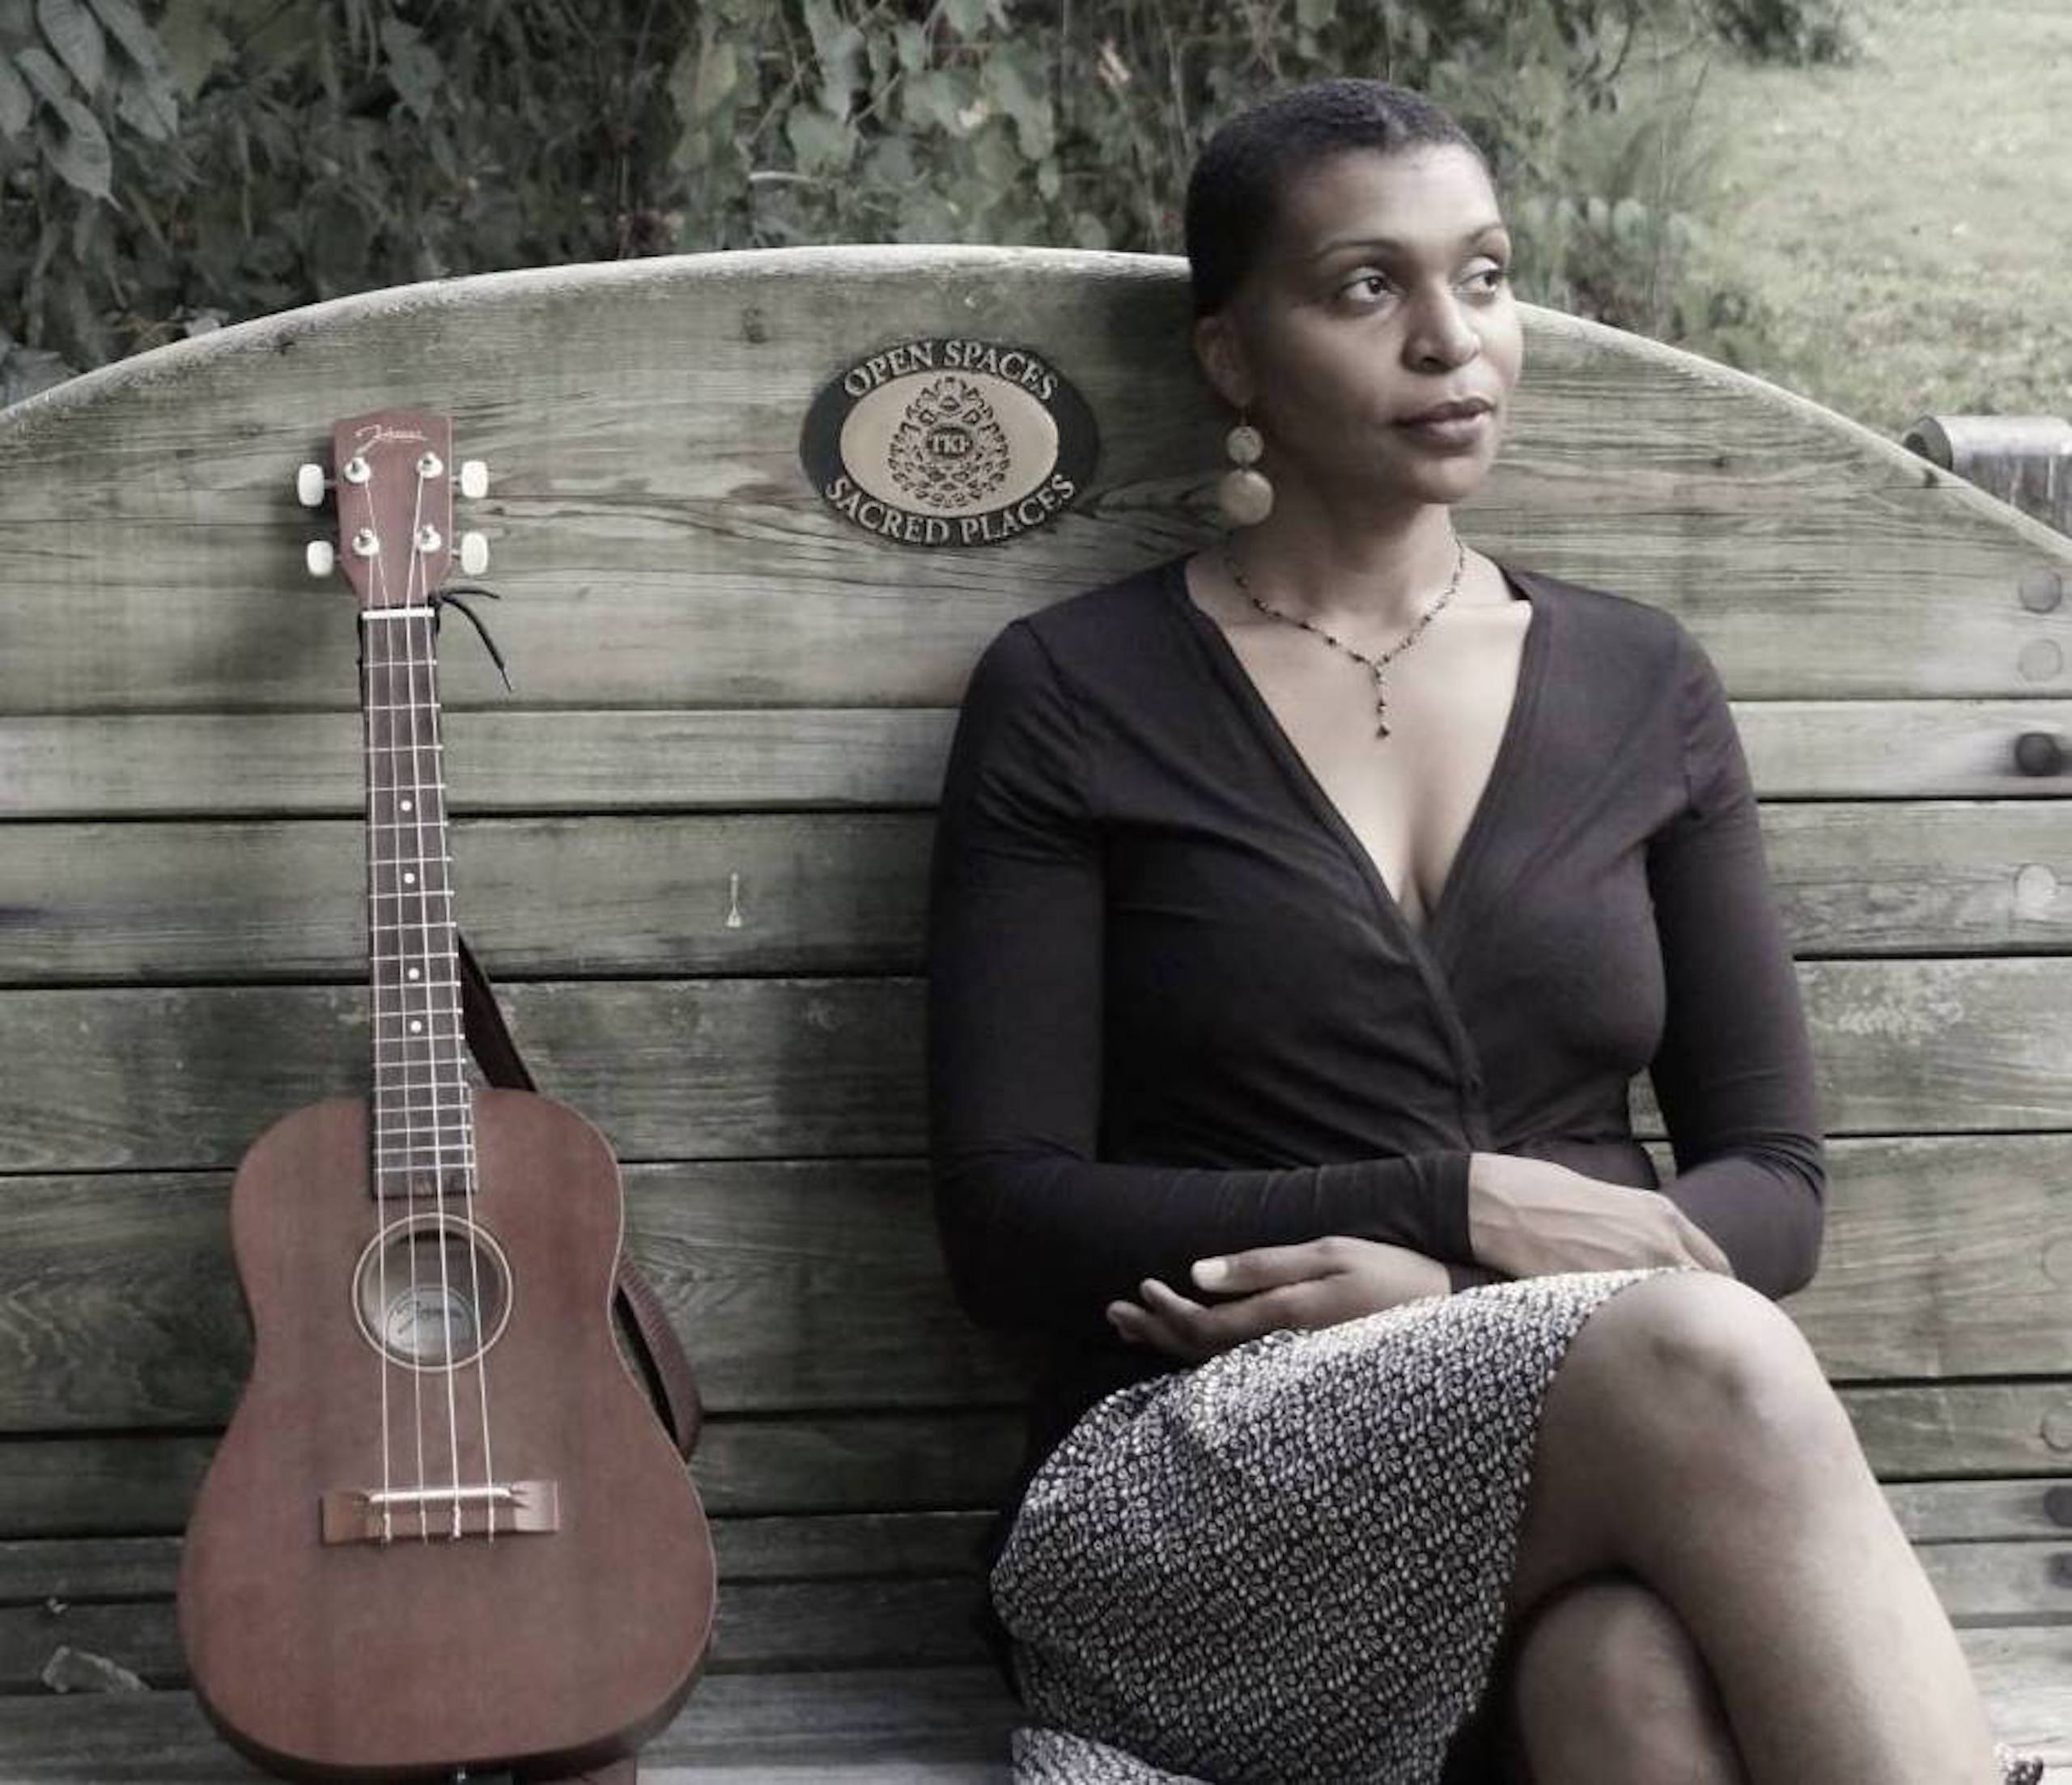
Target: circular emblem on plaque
(950, 441)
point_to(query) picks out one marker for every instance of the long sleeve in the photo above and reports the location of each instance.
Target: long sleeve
(1037, 1230)
(1733, 1073)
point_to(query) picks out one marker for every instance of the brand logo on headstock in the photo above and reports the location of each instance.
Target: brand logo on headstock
(376, 434)
(949, 442)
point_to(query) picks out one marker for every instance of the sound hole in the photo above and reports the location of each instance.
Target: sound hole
(431, 1292)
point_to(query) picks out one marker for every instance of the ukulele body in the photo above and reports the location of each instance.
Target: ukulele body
(324, 1651)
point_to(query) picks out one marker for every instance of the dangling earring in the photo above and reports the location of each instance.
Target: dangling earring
(1243, 493)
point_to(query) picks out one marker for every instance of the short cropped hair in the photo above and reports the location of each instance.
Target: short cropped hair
(1235, 191)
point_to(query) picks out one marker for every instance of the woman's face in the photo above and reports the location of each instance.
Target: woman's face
(1382, 297)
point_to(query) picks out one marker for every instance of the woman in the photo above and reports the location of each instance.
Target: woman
(1300, 911)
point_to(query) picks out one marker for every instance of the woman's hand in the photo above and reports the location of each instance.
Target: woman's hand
(1532, 1217)
(1317, 1283)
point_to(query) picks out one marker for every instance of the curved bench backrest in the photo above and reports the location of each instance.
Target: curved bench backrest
(692, 844)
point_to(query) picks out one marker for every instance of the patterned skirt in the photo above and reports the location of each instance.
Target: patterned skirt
(1289, 1565)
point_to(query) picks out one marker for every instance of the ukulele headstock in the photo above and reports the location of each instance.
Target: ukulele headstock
(393, 487)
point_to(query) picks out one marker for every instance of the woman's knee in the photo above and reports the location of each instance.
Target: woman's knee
(1607, 1685)
(1704, 1349)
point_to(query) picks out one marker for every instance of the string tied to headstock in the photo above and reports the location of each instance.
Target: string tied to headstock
(451, 596)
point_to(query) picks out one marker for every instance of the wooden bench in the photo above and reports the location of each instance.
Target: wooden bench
(692, 847)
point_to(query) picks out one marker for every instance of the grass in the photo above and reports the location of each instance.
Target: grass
(1905, 219)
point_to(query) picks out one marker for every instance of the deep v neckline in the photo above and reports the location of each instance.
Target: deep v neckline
(1510, 746)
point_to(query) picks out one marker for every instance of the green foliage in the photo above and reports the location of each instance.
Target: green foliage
(1785, 31)
(226, 158)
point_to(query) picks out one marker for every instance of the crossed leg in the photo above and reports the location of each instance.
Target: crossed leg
(1603, 1686)
(1690, 1441)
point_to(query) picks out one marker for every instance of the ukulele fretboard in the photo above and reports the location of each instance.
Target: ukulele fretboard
(423, 1118)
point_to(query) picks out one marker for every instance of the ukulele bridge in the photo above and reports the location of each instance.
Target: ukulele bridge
(487, 1510)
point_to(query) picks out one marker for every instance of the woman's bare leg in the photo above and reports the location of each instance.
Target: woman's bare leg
(1690, 1437)
(1608, 1688)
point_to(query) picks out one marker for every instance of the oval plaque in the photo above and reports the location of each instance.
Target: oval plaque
(949, 442)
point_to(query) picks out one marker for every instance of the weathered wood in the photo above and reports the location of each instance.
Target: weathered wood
(2025, 460)
(879, 1721)
(1981, 1512)
(761, 1625)
(1997, 1520)
(874, 1546)
(499, 759)
(154, 765)
(924, 1725)
(793, 893)
(661, 545)
(819, 1284)
(111, 1484)
(183, 1078)
(838, 893)
(116, 1485)
(730, 991)
(930, 1622)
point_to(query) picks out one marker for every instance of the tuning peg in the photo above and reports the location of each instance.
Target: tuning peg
(310, 484)
(474, 554)
(474, 478)
(319, 556)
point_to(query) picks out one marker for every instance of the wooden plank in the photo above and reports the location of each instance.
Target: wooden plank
(142, 1483)
(831, 892)
(855, 1546)
(878, 1721)
(2002, 1584)
(2023, 1678)
(1897, 749)
(1922, 877)
(928, 1623)
(500, 759)
(135, 1482)
(651, 515)
(510, 758)
(1945, 1257)
(1981, 1512)
(761, 1624)
(927, 1726)
(127, 1078)
(2028, 1517)
(805, 1284)
(731, 1067)
(838, 893)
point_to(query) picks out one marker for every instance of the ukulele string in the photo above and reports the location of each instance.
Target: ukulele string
(470, 1160)
(374, 691)
(417, 585)
(407, 706)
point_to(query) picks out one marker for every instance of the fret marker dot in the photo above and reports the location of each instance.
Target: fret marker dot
(413, 974)
(409, 879)
(416, 1027)
(405, 805)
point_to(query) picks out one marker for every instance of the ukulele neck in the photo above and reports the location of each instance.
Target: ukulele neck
(424, 1134)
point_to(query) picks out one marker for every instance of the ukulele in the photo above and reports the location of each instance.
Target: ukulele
(445, 1531)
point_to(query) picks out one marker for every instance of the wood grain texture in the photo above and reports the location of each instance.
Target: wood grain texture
(928, 1726)
(803, 1285)
(767, 1551)
(153, 765)
(932, 1623)
(875, 1718)
(661, 546)
(161, 1079)
(140, 1483)
(2018, 1517)
(839, 893)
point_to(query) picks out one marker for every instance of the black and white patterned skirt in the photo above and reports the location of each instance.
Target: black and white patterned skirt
(1289, 1564)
